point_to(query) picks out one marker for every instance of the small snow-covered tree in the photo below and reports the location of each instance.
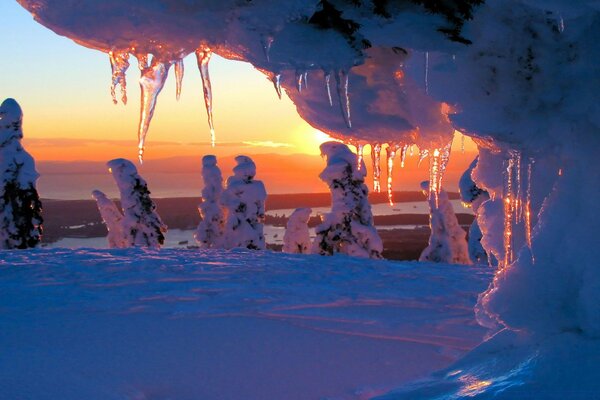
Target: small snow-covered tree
(209, 233)
(20, 205)
(348, 228)
(297, 238)
(447, 242)
(244, 200)
(474, 196)
(142, 225)
(113, 219)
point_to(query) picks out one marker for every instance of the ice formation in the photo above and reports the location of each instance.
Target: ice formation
(210, 231)
(20, 205)
(297, 237)
(119, 63)
(348, 228)
(142, 225)
(447, 242)
(474, 196)
(244, 199)
(203, 55)
(113, 219)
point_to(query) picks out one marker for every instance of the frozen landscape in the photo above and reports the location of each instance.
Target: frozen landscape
(510, 312)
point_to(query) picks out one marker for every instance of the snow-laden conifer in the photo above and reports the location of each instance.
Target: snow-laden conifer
(142, 225)
(244, 200)
(447, 242)
(20, 205)
(297, 238)
(348, 228)
(209, 233)
(474, 196)
(113, 219)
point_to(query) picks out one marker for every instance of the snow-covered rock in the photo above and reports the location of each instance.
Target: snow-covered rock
(20, 205)
(348, 228)
(297, 237)
(211, 228)
(244, 199)
(142, 225)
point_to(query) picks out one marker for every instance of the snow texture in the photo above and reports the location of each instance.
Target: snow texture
(113, 219)
(244, 200)
(142, 225)
(20, 205)
(297, 237)
(210, 232)
(129, 324)
(348, 228)
(474, 196)
(447, 242)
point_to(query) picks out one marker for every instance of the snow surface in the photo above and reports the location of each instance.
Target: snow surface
(213, 324)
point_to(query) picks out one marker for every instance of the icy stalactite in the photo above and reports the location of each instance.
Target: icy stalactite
(376, 159)
(561, 24)
(119, 63)
(341, 78)
(203, 55)
(179, 69)
(518, 201)
(508, 198)
(328, 85)
(267, 42)
(391, 151)
(360, 154)
(444, 160)
(462, 144)
(527, 206)
(299, 78)
(142, 59)
(423, 154)
(276, 79)
(412, 150)
(403, 152)
(306, 79)
(427, 72)
(434, 173)
(152, 81)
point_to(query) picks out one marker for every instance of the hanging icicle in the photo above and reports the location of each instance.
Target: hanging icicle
(462, 144)
(179, 69)
(341, 78)
(427, 72)
(203, 55)
(508, 198)
(376, 160)
(328, 85)
(528, 208)
(152, 81)
(403, 155)
(444, 160)
(119, 63)
(423, 154)
(518, 200)
(299, 77)
(266, 42)
(276, 79)
(434, 171)
(391, 151)
(306, 79)
(360, 149)
(142, 59)
(412, 150)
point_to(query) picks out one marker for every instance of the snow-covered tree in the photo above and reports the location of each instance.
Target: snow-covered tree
(447, 242)
(113, 219)
(474, 196)
(20, 205)
(348, 228)
(211, 228)
(244, 200)
(142, 225)
(297, 238)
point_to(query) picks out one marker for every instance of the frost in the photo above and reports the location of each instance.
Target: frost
(297, 238)
(203, 55)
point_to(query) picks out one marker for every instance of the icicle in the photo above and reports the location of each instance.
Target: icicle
(266, 42)
(152, 81)
(434, 173)
(412, 150)
(518, 200)
(427, 72)
(119, 63)
(341, 78)
(508, 198)
(306, 79)
(203, 55)
(142, 60)
(444, 160)
(403, 155)
(561, 24)
(178, 77)
(327, 81)
(276, 79)
(528, 208)
(376, 159)
(391, 155)
(462, 144)
(423, 154)
(299, 76)
(360, 150)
